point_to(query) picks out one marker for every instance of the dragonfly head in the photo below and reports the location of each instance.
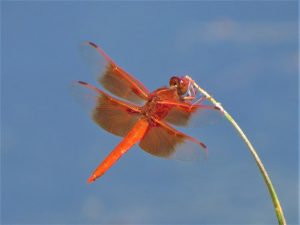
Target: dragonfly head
(180, 83)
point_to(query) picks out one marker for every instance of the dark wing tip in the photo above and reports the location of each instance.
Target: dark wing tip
(82, 82)
(92, 44)
(203, 145)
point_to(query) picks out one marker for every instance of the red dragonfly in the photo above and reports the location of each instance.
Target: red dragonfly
(148, 124)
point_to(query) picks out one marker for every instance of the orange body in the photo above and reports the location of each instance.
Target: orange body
(148, 124)
(134, 135)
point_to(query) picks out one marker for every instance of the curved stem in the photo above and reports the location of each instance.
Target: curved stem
(275, 200)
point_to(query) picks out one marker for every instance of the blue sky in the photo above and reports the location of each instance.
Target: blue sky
(245, 53)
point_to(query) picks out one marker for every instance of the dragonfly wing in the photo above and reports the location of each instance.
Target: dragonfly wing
(164, 141)
(180, 116)
(182, 112)
(113, 115)
(112, 77)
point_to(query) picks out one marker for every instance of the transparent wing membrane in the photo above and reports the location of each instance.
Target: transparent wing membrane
(111, 76)
(183, 113)
(113, 115)
(164, 141)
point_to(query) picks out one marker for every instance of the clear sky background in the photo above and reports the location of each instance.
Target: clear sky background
(243, 52)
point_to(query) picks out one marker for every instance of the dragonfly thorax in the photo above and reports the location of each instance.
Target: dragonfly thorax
(155, 107)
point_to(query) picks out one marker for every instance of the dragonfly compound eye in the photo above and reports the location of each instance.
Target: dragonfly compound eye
(174, 81)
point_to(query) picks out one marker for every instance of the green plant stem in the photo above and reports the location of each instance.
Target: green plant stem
(275, 200)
